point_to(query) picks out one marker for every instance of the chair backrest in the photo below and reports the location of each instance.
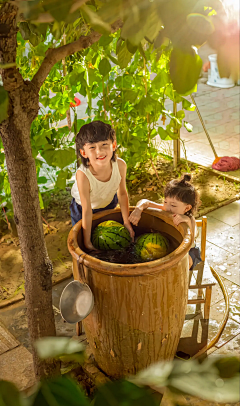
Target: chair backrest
(203, 224)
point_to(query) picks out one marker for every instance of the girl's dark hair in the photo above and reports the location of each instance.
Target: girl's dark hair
(183, 191)
(93, 132)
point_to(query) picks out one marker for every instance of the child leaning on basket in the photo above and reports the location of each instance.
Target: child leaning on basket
(100, 179)
(182, 200)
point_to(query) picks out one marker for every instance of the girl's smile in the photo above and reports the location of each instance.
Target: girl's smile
(101, 151)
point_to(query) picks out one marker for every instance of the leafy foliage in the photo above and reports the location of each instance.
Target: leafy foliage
(216, 379)
(156, 38)
(123, 393)
(62, 348)
(60, 391)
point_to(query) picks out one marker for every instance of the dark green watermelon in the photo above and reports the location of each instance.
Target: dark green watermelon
(110, 235)
(151, 246)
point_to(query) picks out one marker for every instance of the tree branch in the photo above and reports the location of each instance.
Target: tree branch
(57, 54)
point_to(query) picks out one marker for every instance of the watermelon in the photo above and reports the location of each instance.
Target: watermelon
(151, 246)
(110, 235)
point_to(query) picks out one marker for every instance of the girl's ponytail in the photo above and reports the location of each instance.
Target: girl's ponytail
(184, 191)
(186, 177)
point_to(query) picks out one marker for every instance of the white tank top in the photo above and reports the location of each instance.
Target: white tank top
(101, 193)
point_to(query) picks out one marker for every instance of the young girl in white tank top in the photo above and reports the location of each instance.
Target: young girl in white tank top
(100, 179)
(182, 200)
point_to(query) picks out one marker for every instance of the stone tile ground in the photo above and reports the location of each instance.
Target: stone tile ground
(220, 110)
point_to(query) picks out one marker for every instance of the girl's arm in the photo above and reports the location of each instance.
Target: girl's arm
(84, 192)
(123, 196)
(140, 206)
(191, 222)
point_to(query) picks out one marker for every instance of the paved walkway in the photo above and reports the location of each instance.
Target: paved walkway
(220, 110)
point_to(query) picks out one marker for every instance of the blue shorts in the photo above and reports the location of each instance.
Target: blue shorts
(195, 254)
(76, 209)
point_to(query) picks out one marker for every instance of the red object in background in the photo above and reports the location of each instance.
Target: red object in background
(226, 164)
(77, 102)
(206, 66)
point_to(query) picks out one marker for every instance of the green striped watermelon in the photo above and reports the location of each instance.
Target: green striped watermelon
(151, 246)
(110, 235)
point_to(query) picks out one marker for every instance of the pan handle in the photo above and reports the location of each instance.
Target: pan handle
(80, 269)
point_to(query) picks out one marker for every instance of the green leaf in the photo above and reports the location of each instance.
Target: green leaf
(25, 30)
(161, 80)
(200, 23)
(58, 9)
(140, 48)
(228, 366)
(31, 9)
(80, 123)
(127, 81)
(155, 375)
(206, 380)
(159, 39)
(75, 77)
(35, 40)
(96, 22)
(123, 393)
(61, 391)
(105, 40)
(124, 56)
(55, 347)
(59, 157)
(130, 95)
(40, 201)
(42, 28)
(185, 68)
(193, 90)
(9, 394)
(163, 133)
(188, 126)
(180, 114)
(41, 140)
(3, 104)
(188, 105)
(114, 60)
(65, 157)
(104, 67)
(118, 45)
(41, 180)
(62, 178)
(132, 48)
(142, 21)
(2, 158)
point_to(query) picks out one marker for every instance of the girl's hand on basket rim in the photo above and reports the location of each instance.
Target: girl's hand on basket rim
(135, 216)
(180, 218)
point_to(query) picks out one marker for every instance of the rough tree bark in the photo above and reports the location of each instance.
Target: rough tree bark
(15, 134)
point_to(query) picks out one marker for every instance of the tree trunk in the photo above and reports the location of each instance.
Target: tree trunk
(15, 134)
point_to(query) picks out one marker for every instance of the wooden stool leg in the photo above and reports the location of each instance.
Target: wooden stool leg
(79, 328)
(207, 302)
(200, 293)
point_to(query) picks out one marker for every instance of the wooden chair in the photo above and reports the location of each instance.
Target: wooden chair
(201, 278)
